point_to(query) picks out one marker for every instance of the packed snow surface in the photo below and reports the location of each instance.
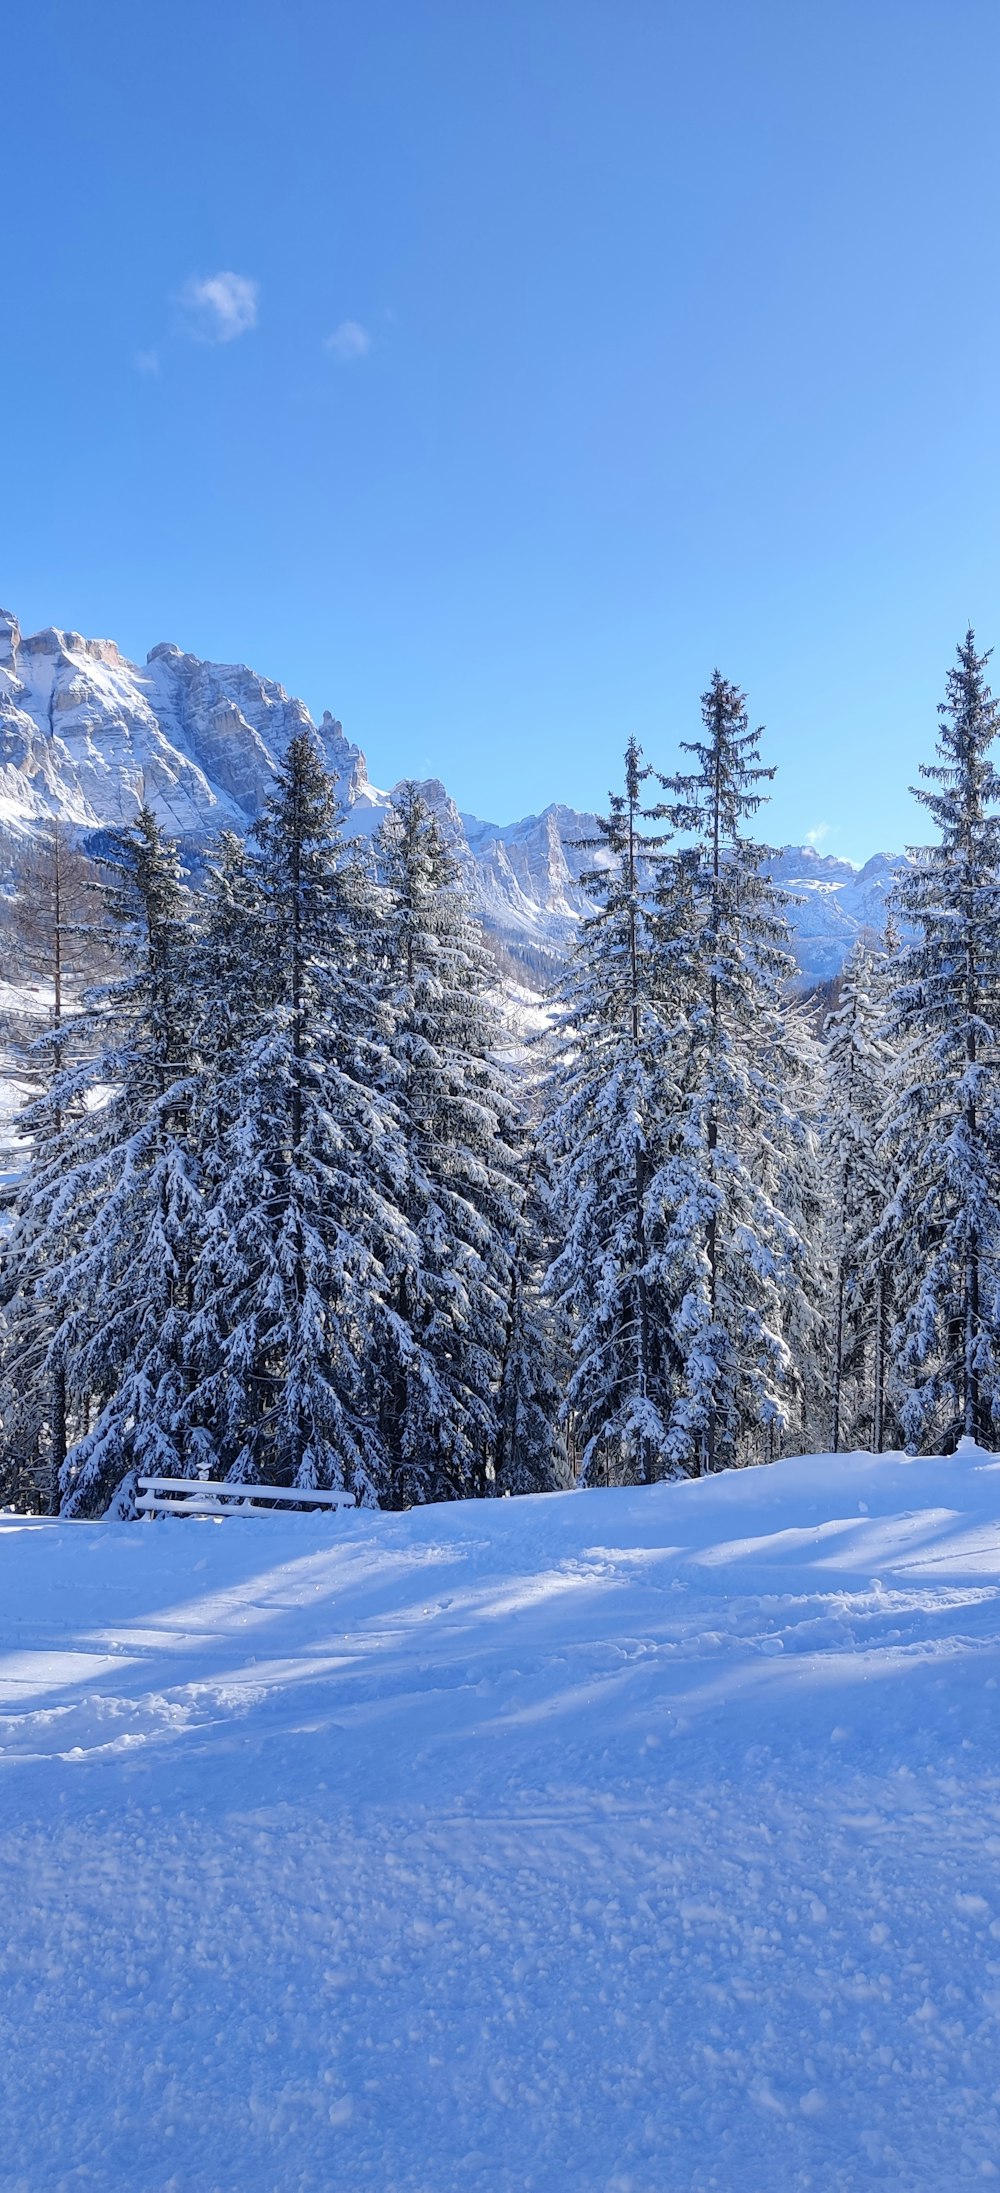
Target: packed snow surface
(621, 1842)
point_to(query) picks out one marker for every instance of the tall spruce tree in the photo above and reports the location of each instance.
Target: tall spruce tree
(55, 928)
(295, 1139)
(531, 1453)
(945, 1219)
(440, 1376)
(609, 1100)
(737, 1262)
(878, 1255)
(110, 1198)
(857, 1062)
(36, 1243)
(798, 1181)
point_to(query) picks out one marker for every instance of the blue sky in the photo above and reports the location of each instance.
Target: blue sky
(573, 349)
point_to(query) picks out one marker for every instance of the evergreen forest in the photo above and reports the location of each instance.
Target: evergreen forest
(291, 1210)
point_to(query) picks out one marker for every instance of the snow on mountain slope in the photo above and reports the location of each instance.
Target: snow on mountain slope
(832, 902)
(629, 1842)
(86, 735)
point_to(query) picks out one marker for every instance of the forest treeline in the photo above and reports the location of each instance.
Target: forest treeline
(288, 1214)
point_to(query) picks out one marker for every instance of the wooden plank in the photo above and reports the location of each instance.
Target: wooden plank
(153, 1506)
(199, 1489)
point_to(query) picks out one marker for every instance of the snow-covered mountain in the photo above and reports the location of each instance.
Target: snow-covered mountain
(832, 902)
(87, 735)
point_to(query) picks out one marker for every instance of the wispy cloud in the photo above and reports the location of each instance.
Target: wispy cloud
(219, 307)
(148, 361)
(349, 341)
(816, 835)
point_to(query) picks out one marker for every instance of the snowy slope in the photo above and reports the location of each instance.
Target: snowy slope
(617, 1842)
(831, 902)
(87, 735)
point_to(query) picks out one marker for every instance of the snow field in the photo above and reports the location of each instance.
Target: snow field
(628, 1842)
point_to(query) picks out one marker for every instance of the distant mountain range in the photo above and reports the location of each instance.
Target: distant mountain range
(87, 736)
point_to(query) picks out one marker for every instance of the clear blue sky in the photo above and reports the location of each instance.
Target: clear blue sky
(663, 336)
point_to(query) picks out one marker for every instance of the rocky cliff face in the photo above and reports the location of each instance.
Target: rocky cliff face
(88, 736)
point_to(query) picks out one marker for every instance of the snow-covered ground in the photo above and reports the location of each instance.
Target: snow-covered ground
(630, 1842)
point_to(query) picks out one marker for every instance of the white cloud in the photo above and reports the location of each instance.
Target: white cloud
(820, 831)
(218, 307)
(350, 340)
(148, 361)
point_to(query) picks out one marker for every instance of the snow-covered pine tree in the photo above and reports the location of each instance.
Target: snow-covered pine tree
(800, 1188)
(120, 1230)
(33, 1400)
(440, 1376)
(53, 928)
(877, 1254)
(857, 1064)
(735, 1263)
(231, 991)
(609, 1099)
(295, 1140)
(531, 1442)
(945, 1218)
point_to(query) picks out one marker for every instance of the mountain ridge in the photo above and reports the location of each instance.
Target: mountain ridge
(86, 735)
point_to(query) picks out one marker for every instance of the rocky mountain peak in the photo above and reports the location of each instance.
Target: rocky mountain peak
(10, 638)
(346, 761)
(87, 735)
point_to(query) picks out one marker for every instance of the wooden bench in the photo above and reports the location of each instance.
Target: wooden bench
(215, 1496)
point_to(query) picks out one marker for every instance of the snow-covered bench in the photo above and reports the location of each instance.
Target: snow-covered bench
(214, 1496)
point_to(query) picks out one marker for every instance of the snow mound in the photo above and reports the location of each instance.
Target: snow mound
(620, 1842)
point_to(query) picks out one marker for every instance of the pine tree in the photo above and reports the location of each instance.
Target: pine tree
(440, 1374)
(531, 1445)
(734, 1261)
(800, 1187)
(877, 1254)
(36, 1241)
(946, 1133)
(296, 1141)
(96, 1261)
(56, 935)
(608, 1101)
(857, 1061)
(132, 1205)
(232, 989)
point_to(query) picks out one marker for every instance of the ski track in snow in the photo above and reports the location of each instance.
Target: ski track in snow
(629, 1842)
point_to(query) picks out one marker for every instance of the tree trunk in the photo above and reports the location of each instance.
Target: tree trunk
(712, 1237)
(971, 1411)
(641, 1292)
(58, 1437)
(838, 1360)
(878, 1397)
